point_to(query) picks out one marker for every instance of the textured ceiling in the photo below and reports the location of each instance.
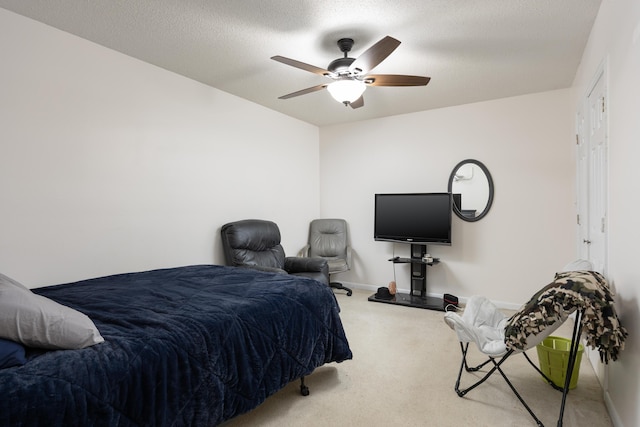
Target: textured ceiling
(472, 50)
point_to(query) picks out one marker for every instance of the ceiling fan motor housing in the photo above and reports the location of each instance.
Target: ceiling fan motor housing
(340, 65)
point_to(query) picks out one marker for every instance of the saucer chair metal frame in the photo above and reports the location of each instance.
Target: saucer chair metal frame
(497, 363)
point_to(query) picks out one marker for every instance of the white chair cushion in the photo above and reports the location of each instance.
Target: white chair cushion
(481, 323)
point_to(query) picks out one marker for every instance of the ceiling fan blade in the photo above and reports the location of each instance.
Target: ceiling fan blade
(357, 103)
(304, 91)
(395, 80)
(374, 55)
(301, 65)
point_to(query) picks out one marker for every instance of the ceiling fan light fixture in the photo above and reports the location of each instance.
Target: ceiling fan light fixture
(346, 91)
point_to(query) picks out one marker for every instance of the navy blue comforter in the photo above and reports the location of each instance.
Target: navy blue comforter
(188, 346)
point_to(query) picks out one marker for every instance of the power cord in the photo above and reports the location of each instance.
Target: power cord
(451, 307)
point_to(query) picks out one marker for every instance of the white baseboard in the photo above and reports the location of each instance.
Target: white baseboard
(613, 414)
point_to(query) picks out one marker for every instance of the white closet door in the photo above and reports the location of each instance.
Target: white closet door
(597, 177)
(592, 186)
(582, 176)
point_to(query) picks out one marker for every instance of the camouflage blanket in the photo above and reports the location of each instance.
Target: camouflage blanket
(555, 302)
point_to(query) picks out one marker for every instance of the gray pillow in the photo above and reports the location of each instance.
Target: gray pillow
(9, 281)
(39, 322)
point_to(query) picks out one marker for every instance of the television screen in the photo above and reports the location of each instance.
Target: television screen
(413, 218)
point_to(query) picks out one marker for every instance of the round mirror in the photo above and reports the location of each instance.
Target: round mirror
(472, 188)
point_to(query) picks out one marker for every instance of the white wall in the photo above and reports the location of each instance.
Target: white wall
(109, 164)
(615, 42)
(526, 143)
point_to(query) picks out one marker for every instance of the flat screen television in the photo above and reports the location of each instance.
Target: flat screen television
(420, 218)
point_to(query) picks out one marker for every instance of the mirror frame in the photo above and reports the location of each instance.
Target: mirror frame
(491, 190)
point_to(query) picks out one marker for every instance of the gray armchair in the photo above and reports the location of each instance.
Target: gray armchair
(328, 240)
(255, 243)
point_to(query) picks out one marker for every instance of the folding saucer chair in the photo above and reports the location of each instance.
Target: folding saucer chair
(499, 337)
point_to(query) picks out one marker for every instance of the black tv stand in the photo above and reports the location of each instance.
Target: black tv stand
(418, 293)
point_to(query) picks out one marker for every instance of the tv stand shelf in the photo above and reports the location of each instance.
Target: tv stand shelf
(417, 297)
(429, 303)
(399, 260)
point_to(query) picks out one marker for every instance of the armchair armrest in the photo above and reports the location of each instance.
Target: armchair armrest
(306, 265)
(304, 252)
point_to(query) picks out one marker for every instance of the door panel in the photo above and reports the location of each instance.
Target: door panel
(582, 175)
(597, 178)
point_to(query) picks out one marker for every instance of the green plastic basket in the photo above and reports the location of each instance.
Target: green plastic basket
(553, 356)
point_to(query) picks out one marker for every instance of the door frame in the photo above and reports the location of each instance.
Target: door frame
(582, 123)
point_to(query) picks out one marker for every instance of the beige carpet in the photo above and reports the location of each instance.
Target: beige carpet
(405, 362)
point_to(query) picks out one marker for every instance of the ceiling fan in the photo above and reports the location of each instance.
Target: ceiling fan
(351, 75)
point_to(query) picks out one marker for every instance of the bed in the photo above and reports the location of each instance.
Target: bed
(186, 346)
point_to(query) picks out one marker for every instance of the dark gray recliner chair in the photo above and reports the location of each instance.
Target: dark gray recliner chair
(255, 243)
(328, 240)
